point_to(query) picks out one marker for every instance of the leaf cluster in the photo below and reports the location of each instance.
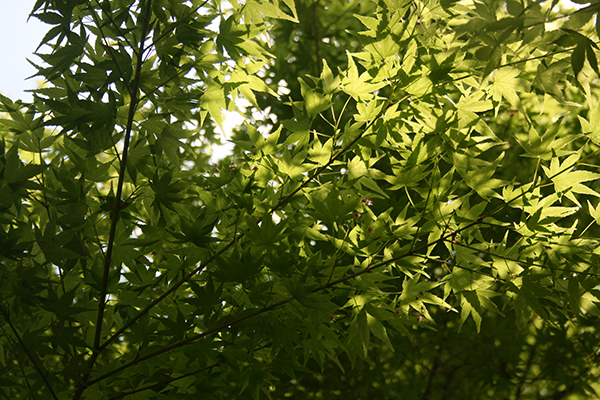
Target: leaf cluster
(410, 208)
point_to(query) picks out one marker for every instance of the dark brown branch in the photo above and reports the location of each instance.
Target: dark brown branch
(191, 339)
(145, 20)
(276, 305)
(122, 170)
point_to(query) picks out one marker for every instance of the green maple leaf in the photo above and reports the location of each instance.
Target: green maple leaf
(568, 180)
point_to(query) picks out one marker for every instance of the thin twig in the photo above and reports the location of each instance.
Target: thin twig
(527, 368)
(203, 265)
(316, 37)
(37, 368)
(163, 383)
(278, 304)
(110, 49)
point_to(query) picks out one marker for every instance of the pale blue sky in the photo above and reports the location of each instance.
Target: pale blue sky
(18, 40)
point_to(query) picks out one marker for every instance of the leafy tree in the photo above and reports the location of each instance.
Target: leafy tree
(410, 209)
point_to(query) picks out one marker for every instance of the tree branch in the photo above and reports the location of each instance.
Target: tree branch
(276, 305)
(281, 203)
(117, 206)
(27, 352)
(527, 368)
(145, 19)
(163, 383)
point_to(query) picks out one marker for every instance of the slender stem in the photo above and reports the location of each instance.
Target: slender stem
(122, 170)
(37, 368)
(145, 19)
(333, 158)
(432, 373)
(114, 25)
(175, 379)
(397, 258)
(525, 372)
(278, 304)
(169, 291)
(203, 265)
(108, 47)
(163, 383)
(191, 339)
(424, 210)
(177, 23)
(316, 37)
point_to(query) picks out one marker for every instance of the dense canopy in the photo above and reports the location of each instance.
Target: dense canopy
(410, 208)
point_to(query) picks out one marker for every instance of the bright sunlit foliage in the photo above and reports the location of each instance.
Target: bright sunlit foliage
(410, 209)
